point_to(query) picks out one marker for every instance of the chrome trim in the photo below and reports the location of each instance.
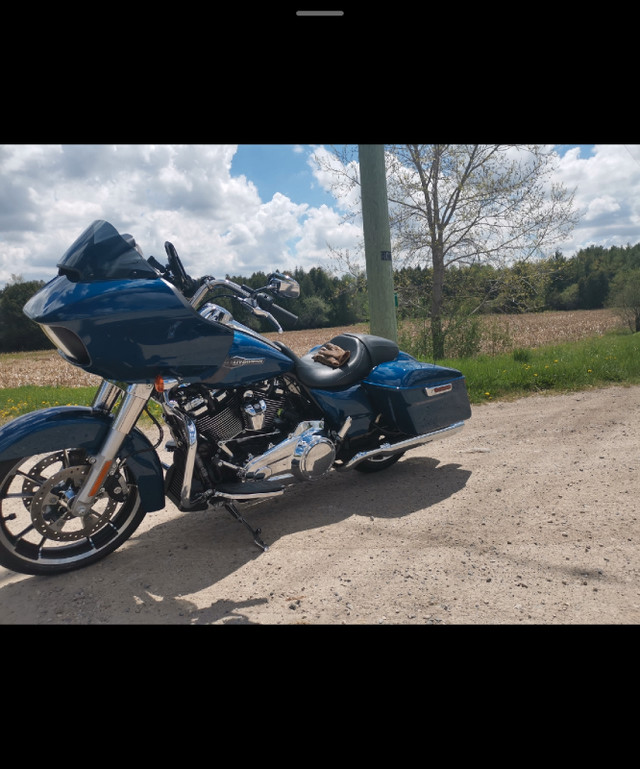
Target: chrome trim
(276, 461)
(409, 443)
(438, 389)
(243, 497)
(189, 438)
(106, 396)
(129, 410)
(344, 429)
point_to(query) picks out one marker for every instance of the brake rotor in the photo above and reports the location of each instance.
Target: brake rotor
(35, 476)
(51, 503)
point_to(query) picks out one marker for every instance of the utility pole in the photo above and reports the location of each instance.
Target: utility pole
(377, 241)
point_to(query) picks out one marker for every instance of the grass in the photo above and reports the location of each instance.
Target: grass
(15, 401)
(595, 362)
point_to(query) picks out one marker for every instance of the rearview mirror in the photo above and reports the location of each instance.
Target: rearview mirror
(284, 285)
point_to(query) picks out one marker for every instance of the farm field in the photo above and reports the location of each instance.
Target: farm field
(504, 333)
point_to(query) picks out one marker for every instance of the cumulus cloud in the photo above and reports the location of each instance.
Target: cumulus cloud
(186, 194)
(607, 184)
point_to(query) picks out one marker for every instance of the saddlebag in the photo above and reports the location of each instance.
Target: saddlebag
(418, 397)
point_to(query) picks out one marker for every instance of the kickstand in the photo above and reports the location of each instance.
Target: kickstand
(255, 532)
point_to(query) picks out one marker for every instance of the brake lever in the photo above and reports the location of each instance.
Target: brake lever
(252, 304)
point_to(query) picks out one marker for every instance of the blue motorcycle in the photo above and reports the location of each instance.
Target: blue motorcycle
(247, 417)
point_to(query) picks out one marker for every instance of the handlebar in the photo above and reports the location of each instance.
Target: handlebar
(247, 296)
(268, 300)
(195, 291)
(284, 312)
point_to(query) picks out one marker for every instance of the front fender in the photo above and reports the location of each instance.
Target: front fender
(81, 427)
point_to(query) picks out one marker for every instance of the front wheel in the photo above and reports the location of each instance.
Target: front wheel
(38, 532)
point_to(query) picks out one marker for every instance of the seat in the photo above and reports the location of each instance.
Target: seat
(366, 352)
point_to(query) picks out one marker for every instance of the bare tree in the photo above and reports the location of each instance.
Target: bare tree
(465, 203)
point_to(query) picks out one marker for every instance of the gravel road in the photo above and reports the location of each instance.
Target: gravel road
(528, 516)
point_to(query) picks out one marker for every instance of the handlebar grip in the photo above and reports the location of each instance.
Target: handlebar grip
(284, 312)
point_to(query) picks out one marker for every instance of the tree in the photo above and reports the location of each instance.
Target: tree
(625, 297)
(462, 204)
(17, 332)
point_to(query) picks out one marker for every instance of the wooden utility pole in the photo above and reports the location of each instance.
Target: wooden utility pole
(377, 241)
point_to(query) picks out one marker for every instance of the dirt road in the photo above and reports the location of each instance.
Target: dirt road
(529, 516)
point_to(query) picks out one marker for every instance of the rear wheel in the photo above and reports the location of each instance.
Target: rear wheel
(38, 532)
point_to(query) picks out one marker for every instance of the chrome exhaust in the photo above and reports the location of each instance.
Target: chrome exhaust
(394, 448)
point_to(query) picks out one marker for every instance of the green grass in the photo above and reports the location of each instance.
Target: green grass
(595, 362)
(15, 401)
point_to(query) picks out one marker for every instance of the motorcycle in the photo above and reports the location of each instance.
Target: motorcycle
(247, 417)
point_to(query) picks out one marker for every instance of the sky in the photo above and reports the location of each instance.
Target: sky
(239, 209)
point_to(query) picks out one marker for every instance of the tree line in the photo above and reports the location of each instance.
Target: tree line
(593, 278)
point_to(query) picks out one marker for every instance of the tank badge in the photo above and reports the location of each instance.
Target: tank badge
(238, 360)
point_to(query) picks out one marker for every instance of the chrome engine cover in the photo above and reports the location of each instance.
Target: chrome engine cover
(307, 454)
(313, 456)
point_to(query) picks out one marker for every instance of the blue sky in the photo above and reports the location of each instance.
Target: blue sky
(280, 168)
(237, 209)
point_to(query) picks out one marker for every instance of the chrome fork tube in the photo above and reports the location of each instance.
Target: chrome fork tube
(131, 407)
(106, 396)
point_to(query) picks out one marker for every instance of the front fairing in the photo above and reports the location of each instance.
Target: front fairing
(130, 330)
(110, 313)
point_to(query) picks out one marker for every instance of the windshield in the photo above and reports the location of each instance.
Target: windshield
(101, 253)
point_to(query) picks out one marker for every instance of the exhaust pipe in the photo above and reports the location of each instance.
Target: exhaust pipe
(396, 448)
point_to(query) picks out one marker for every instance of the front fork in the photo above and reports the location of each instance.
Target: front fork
(135, 399)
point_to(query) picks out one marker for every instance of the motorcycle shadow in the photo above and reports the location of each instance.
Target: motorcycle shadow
(184, 554)
(214, 538)
(413, 484)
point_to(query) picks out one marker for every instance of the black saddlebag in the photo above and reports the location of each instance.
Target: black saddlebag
(417, 397)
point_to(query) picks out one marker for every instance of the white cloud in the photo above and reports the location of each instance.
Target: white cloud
(182, 193)
(605, 204)
(607, 183)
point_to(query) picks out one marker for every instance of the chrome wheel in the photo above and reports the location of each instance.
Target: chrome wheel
(39, 533)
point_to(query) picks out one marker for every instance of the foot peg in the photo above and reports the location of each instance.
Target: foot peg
(243, 492)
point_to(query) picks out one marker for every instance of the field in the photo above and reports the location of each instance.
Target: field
(528, 354)
(503, 334)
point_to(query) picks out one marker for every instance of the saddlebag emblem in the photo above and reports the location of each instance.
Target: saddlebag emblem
(445, 388)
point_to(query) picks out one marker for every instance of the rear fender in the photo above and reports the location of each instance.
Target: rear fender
(82, 427)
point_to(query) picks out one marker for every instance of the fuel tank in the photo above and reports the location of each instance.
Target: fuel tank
(251, 358)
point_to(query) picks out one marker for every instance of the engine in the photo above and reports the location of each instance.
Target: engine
(260, 431)
(227, 415)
